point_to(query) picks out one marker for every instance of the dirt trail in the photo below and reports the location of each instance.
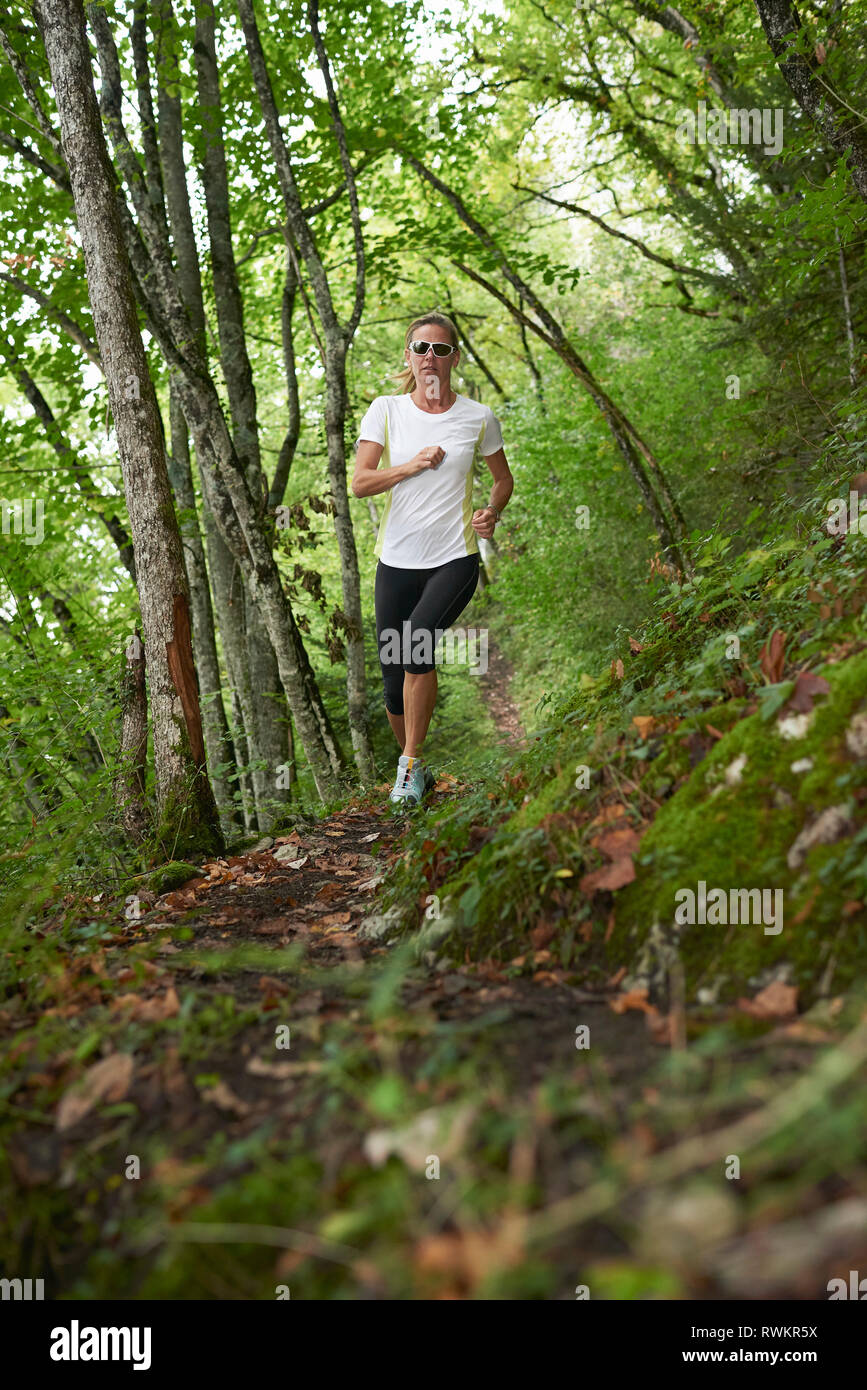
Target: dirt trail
(496, 694)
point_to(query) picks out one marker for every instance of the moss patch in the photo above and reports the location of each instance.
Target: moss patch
(733, 823)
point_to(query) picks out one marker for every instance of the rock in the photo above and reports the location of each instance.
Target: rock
(794, 725)
(735, 770)
(709, 994)
(290, 855)
(677, 1226)
(380, 925)
(264, 843)
(856, 735)
(171, 876)
(831, 825)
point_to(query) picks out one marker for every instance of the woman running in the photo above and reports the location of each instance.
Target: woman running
(427, 543)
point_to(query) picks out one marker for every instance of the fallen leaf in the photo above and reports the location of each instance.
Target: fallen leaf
(542, 934)
(277, 926)
(776, 1000)
(107, 1080)
(612, 876)
(772, 657)
(328, 891)
(644, 723)
(335, 919)
(617, 843)
(632, 999)
(806, 687)
(801, 1031)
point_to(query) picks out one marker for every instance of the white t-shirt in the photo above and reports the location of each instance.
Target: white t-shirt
(428, 519)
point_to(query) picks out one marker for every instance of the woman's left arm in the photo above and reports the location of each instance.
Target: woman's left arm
(486, 518)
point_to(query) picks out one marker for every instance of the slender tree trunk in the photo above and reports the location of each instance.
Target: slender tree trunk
(218, 743)
(228, 496)
(356, 680)
(270, 742)
(188, 814)
(839, 125)
(293, 404)
(228, 589)
(129, 784)
(337, 338)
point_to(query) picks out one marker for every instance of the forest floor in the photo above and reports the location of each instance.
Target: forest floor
(290, 1103)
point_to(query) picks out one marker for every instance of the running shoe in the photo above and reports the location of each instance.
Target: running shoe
(409, 784)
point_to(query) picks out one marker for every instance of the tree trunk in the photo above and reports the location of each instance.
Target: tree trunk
(189, 821)
(218, 743)
(337, 338)
(839, 125)
(269, 734)
(129, 783)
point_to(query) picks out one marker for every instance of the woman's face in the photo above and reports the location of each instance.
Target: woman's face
(432, 374)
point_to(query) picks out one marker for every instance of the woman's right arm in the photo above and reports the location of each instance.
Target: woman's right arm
(368, 480)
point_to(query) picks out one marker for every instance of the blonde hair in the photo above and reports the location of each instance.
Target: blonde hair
(407, 376)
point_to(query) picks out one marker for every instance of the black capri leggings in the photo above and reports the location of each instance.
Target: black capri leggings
(427, 600)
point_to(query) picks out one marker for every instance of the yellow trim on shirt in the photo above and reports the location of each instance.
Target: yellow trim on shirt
(470, 539)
